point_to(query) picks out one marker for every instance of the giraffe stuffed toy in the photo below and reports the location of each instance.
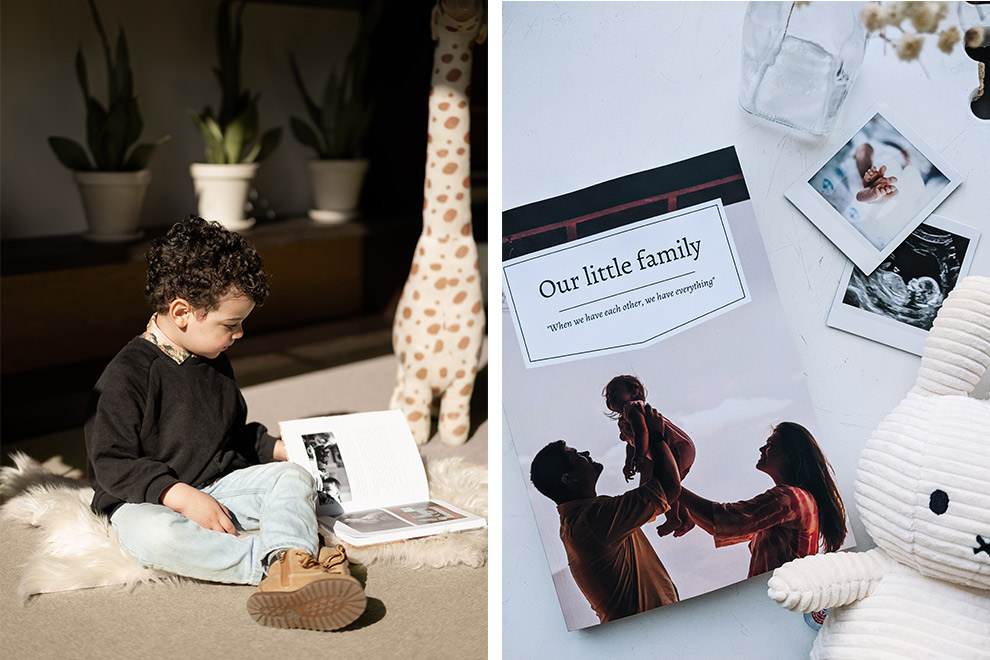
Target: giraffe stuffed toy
(439, 322)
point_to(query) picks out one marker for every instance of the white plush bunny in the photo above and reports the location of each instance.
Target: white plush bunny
(923, 492)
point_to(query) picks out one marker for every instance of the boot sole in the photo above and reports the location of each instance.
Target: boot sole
(322, 605)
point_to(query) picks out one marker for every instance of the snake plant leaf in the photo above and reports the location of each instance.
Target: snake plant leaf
(238, 133)
(114, 137)
(142, 154)
(81, 73)
(307, 136)
(353, 124)
(122, 68)
(333, 96)
(105, 43)
(314, 111)
(133, 125)
(96, 119)
(264, 148)
(70, 153)
(212, 135)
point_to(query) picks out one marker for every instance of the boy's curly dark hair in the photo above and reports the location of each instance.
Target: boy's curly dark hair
(201, 261)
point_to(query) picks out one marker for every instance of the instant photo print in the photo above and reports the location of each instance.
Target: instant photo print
(897, 303)
(875, 189)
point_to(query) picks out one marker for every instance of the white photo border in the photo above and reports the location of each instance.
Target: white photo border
(890, 332)
(839, 230)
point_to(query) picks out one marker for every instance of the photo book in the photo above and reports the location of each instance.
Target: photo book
(371, 481)
(661, 275)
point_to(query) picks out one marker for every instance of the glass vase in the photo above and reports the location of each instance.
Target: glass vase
(799, 60)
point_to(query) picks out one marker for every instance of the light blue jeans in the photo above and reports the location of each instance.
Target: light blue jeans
(277, 500)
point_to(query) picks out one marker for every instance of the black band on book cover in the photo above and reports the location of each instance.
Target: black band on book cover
(621, 201)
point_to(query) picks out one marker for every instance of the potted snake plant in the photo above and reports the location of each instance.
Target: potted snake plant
(113, 175)
(233, 148)
(337, 128)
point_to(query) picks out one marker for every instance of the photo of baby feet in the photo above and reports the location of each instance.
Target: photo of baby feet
(877, 186)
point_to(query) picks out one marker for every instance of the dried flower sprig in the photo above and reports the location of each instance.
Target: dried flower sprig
(923, 17)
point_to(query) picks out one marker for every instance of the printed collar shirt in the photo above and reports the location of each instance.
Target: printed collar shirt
(155, 335)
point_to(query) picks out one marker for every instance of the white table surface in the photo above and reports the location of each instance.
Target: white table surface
(594, 91)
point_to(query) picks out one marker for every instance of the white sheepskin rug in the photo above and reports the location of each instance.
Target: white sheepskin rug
(79, 549)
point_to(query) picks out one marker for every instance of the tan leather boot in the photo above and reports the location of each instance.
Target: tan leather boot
(299, 592)
(333, 559)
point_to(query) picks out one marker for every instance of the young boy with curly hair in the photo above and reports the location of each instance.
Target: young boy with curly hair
(174, 463)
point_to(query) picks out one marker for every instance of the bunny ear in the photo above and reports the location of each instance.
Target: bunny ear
(957, 352)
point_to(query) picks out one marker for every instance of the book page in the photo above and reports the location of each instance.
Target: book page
(361, 461)
(394, 523)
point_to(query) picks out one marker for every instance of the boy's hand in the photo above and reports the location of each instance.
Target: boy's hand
(199, 507)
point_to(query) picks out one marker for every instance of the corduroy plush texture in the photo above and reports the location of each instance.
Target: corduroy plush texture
(923, 492)
(80, 550)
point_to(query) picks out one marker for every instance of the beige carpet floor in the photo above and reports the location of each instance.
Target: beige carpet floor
(412, 613)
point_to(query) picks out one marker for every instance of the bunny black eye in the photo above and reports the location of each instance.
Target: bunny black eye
(938, 502)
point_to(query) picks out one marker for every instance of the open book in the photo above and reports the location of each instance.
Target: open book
(371, 480)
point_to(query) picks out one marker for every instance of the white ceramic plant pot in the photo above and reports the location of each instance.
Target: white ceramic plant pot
(222, 192)
(112, 204)
(336, 186)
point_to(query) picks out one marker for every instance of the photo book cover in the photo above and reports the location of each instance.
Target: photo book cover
(660, 277)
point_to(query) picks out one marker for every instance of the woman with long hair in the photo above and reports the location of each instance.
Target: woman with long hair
(802, 512)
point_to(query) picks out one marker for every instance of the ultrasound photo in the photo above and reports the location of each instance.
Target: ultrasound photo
(910, 285)
(897, 304)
